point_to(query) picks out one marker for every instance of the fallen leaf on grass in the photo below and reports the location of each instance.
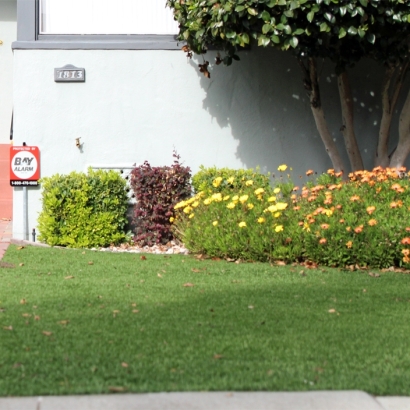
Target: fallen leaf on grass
(8, 327)
(250, 307)
(188, 285)
(116, 389)
(19, 248)
(374, 275)
(69, 277)
(36, 317)
(143, 258)
(332, 310)
(21, 264)
(46, 333)
(26, 315)
(17, 365)
(280, 263)
(115, 312)
(133, 304)
(63, 322)
(23, 301)
(218, 356)
(135, 311)
(230, 259)
(6, 265)
(91, 263)
(159, 275)
(123, 364)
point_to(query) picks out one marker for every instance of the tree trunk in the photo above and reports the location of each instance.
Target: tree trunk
(311, 83)
(403, 148)
(389, 102)
(346, 103)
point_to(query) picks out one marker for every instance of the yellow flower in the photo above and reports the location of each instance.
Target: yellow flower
(242, 224)
(272, 199)
(226, 197)
(372, 222)
(349, 244)
(214, 223)
(181, 204)
(276, 190)
(217, 181)
(259, 191)
(249, 182)
(172, 219)
(279, 228)
(187, 209)
(243, 198)
(230, 180)
(235, 198)
(281, 206)
(250, 206)
(231, 205)
(277, 214)
(207, 201)
(328, 212)
(282, 167)
(217, 197)
(261, 220)
(191, 216)
(306, 227)
(195, 204)
(272, 208)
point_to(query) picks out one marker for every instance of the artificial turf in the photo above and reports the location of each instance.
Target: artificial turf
(74, 321)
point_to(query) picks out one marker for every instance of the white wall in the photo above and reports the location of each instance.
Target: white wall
(140, 105)
(8, 34)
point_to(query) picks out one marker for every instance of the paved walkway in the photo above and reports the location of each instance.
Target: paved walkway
(6, 229)
(315, 400)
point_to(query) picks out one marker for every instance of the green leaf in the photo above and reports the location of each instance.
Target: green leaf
(364, 3)
(263, 41)
(275, 39)
(294, 42)
(310, 16)
(324, 27)
(352, 30)
(266, 28)
(252, 11)
(265, 16)
(342, 32)
(371, 38)
(245, 38)
(239, 8)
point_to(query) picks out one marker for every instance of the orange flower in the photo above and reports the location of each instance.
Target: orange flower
(370, 209)
(331, 171)
(296, 188)
(355, 198)
(372, 222)
(348, 229)
(312, 198)
(342, 221)
(405, 241)
(359, 229)
(408, 229)
(322, 241)
(300, 223)
(325, 226)
(406, 259)
(296, 208)
(339, 174)
(310, 172)
(328, 201)
(396, 187)
(378, 189)
(338, 206)
(394, 205)
(332, 187)
(406, 252)
(349, 244)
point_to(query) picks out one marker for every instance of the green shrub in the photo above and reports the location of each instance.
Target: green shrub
(83, 210)
(363, 221)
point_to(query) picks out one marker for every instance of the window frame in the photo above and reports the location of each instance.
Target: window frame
(28, 36)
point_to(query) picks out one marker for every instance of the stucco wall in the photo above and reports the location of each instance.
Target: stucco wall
(140, 105)
(8, 34)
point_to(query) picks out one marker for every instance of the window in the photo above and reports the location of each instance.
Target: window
(106, 17)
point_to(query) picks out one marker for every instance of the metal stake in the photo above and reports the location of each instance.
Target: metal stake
(25, 213)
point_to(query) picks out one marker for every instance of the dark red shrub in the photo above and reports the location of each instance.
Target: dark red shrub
(157, 190)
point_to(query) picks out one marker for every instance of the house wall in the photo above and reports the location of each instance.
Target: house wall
(139, 105)
(8, 34)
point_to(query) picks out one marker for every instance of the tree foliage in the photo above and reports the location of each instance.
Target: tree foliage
(344, 31)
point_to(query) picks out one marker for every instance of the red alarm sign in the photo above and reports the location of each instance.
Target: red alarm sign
(24, 166)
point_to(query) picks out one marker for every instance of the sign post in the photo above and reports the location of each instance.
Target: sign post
(24, 172)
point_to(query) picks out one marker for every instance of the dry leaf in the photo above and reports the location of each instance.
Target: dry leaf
(36, 317)
(69, 277)
(133, 304)
(218, 356)
(159, 275)
(374, 275)
(196, 270)
(250, 307)
(364, 290)
(8, 327)
(188, 285)
(63, 322)
(230, 260)
(46, 333)
(17, 365)
(115, 312)
(23, 301)
(83, 253)
(116, 389)
(143, 258)
(19, 248)
(332, 310)
(123, 364)
(6, 265)
(26, 315)
(280, 263)
(99, 297)
(135, 311)
(91, 263)
(21, 264)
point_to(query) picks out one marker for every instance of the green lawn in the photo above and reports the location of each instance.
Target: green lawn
(134, 326)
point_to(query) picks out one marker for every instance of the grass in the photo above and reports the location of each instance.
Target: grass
(240, 327)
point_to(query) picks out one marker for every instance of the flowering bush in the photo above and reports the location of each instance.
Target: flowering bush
(362, 221)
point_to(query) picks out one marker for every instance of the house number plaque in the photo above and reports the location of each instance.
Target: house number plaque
(69, 74)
